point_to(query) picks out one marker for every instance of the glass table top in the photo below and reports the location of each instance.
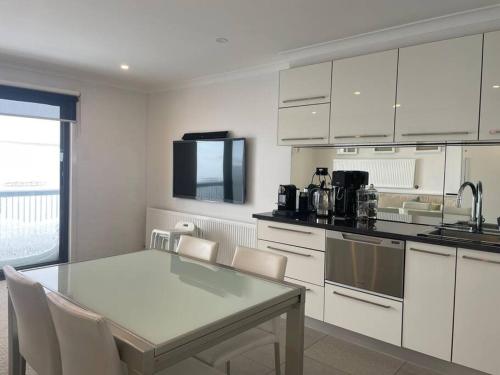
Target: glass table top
(157, 295)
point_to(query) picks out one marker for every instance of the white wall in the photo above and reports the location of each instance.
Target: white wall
(108, 167)
(248, 108)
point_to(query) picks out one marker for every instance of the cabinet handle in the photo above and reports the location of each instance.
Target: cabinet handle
(302, 139)
(481, 259)
(301, 99)
(435, 133)
(308, 289)
(362, 136)
(362, 300)
(289, 251)
(494, 131)
(429, 252)
(289, 230)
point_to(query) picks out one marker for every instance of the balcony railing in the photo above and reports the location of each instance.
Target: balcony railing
(29, 226)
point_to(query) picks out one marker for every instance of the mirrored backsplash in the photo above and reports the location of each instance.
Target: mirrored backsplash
(416, 184)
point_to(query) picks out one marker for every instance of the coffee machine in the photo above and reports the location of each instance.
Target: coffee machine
(287, 196)
(347, 183)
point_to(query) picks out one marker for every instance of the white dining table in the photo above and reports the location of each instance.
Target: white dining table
(163, 308)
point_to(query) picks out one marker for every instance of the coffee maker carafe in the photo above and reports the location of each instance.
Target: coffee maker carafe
(321, 200)
(346, 184)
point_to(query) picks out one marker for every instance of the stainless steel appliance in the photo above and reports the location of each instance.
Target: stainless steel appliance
(365, 262)
(321, 200)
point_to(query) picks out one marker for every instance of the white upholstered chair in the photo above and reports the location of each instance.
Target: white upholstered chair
(198, 248)
(262, 263)
(38, 342)
(88, 347)
(168, 239)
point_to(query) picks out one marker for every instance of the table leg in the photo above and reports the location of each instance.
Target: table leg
(295, 338)
(17, 364)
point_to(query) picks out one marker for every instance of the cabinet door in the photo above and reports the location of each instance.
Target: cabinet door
(304, 125)
(304, 85)
(476, 335)
(364, 313)
(363, 98)
(428, 301)
(490, 98)
(438, 90)
(315, 297)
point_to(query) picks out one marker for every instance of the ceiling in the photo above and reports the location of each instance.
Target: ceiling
(171, 41)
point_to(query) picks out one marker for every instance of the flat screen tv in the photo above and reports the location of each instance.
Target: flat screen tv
(210, 170)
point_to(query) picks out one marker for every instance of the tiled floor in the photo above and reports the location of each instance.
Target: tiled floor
(324, 355)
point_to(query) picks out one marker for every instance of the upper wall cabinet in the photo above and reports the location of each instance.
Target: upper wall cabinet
(438, 90)
(489, 128)
(304, 125)
(306, 85)
(364, 98)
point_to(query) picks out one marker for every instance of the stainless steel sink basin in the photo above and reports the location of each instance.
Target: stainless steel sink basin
(489, 235)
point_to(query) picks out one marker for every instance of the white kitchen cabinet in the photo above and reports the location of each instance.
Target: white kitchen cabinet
(489, 128)
(428, 299)
(476, 335)
(439, 90)
(303, 264)
(364, 98)
(305, 85)
(315, 296)
(364, 313)
(304, 125)
(291, 234)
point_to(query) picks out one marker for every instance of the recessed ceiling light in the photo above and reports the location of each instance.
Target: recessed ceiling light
(496, 86)
(222, 40)
(357, 92)
(124, 67)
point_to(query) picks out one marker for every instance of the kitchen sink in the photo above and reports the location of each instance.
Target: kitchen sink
(489, 235)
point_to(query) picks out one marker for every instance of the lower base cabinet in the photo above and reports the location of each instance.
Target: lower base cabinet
(364, 313)
(315, 297)
(476, 337)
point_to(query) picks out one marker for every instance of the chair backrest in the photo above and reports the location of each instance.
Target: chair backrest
(38, 342)
(87, 345)
(159, 239)
(186, 225)
(198, 248)
(260, 262)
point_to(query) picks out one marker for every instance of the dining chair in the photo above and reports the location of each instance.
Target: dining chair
(88, 346)
(38, 342)
(258, 262)
(168, 239)
(198, 248)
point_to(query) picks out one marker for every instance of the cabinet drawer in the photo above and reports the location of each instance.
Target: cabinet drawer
(304, 85)
(295, 235)
(308, 124)
(315, 298)
(364, 313)
(303, 264)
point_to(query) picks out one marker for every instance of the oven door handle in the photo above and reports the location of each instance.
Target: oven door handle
(362, 239)
(362, 300)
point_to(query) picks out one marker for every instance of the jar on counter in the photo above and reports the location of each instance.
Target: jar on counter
(367, 202)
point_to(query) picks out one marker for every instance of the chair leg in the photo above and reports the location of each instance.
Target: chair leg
(228, 368)
(277, 362)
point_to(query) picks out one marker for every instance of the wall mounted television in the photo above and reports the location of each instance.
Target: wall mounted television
(210, 170)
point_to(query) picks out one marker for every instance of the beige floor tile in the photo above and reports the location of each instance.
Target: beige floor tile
(245, 366)
(312, 367)
(353, 359)
(265, 354)
(411, 369)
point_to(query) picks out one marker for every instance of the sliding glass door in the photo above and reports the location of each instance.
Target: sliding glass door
(34, 188)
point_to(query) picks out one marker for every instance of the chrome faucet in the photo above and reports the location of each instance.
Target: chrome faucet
(477, 207)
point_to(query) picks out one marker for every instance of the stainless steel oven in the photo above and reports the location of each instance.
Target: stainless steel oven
(371, 263)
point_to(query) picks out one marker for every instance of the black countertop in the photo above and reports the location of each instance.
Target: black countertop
(376, 228)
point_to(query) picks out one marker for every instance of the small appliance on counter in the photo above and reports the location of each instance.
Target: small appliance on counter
(320, 196)
(347, 183)
(287, 196)
(367, 202)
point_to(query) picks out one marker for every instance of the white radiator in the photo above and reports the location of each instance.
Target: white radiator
(227, 233)
(385, 173)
